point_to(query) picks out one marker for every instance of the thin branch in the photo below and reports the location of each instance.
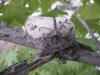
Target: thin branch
(85, 25)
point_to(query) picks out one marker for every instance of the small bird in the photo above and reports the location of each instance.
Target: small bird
(50, 34)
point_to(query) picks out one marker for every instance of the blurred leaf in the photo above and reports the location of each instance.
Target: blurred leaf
(1, 19)
(15, 23)
(17, 1)
(79, 29)
(15, 54)
(94, 24)
(43, 72)
(33, 4)
(54, 13)
(46, 5)
(97, 1)
(26, 54)
(14, 10)
(53, 64)
(97, 72)
(90, 11)
(9, 58)
(87, 42)
(85, 2)
(70, 68)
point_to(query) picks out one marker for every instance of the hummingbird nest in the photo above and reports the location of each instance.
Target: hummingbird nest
(50, 35)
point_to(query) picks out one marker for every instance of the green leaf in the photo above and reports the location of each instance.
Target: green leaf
(87, 42)
(17, 1)
(54, 13)
(11, 58)
(94, 24)
(90, 11)
(15, 23)
(14, 11)
(1, 18)
(46, 5)
(85, 2)
(79, 29)
(1, 10)
(97, 1)
(33, 4)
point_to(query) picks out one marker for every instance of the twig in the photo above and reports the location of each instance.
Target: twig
(85, 25)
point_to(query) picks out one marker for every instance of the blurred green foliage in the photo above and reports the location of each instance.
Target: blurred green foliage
(15, 14)
(55, 67)
(16, 53)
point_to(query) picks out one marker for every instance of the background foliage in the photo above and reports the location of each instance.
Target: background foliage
(16, 12)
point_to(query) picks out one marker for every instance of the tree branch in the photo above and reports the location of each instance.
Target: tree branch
(88, 57)
(16, 36)
(85, 25)
(23, 68)
(86, 54)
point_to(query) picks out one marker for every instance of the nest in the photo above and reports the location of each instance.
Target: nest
(51, 43)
